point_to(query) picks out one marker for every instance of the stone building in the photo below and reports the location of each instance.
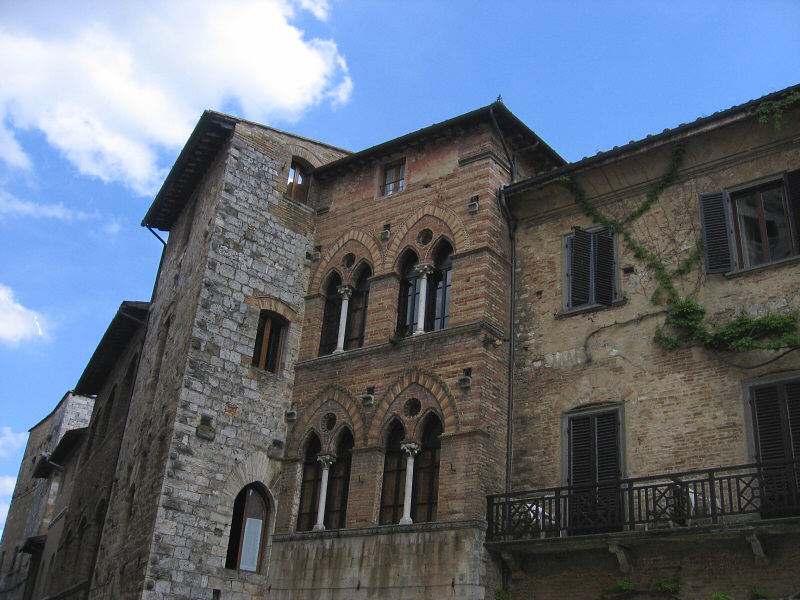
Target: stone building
(352, 361)
(38, 486)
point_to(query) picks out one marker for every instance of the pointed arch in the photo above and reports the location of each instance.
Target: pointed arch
(310, 485)
(339, 481)
(433, 384)
(331, 314)
(394, 475)
(366, 240)
(341, 396)
(425, 496)
(461, 241)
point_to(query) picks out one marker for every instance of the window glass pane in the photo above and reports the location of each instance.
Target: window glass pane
(776, 224)
(292, 173)
(250, 545)
(750, 230)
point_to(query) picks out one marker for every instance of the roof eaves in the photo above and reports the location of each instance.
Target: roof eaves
(718, 119)
(479, 114)
(211, 133)
(129, 318)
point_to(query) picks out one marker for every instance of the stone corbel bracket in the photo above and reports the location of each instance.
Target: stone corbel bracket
(754, 539)
(624, 555)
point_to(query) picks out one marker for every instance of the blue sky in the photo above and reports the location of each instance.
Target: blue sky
(97, 98)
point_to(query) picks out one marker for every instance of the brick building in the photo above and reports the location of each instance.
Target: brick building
(346, 354)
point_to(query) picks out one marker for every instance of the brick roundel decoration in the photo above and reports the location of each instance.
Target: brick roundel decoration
(331, 392)
(449, 217)
(430, 382)
(355, 234)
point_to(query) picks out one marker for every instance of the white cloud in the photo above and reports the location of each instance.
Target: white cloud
(10, 442)
(112, 83)
(14, 207)
(7, 484)
(4, 506)
(17, 324)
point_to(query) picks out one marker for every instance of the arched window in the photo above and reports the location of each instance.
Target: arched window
(339, 484)
(409, 295)
(330, 318)
(425, 495)
(357, 311)
(297, 184)
(269, 341)
(248, 531)
(309, 489)
(394, 477)
(437, 314)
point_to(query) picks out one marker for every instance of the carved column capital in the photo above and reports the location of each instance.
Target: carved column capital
(326, 460)
(345, 291)
(412, 448)
(424, 269)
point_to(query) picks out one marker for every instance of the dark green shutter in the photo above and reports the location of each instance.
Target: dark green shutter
(793, 410)
(715, 221)
(580, 450)
(769, 432)
(580, 268)
(604, 267)
(793, 191)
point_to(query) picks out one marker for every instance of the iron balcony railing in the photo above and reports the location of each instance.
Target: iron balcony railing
(764, 490)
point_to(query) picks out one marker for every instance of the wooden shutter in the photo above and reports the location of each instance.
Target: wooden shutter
(594, 448)
(604, 267)
(792, 182)
(715, 221)
(793, 413)
(769, 431)
(580, 268)
(607, 443)
(580, 450)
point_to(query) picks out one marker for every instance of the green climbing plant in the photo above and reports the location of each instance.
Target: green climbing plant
(772, 110)
(685, 323)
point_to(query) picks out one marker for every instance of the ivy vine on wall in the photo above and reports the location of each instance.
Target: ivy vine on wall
(685, 321)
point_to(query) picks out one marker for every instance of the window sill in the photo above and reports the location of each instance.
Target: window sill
(591, 308)
(792, 260)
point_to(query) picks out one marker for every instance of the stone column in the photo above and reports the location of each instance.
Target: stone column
(424, 269)
(326, 460)
(345, 291)
(411, 448)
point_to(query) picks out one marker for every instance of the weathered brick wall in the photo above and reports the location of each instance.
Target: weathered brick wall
(683, 408)
(703, 566)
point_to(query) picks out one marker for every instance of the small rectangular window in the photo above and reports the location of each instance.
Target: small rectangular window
(751, 225)
(394, 178)
(590, 275)
(269, 342)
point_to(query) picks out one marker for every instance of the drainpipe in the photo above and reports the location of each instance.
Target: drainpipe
(160, 262)
(512, 226)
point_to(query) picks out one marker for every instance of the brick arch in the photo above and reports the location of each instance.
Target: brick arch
(306, 154)
(338, 394)
(460, 238)
(326, 278)
(433, 384)
(422, 422)
(255, 468)
(386, 425)
(354, 234)
(287, 311)
(435, 246)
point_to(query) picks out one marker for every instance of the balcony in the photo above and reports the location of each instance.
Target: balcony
(690, 501)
